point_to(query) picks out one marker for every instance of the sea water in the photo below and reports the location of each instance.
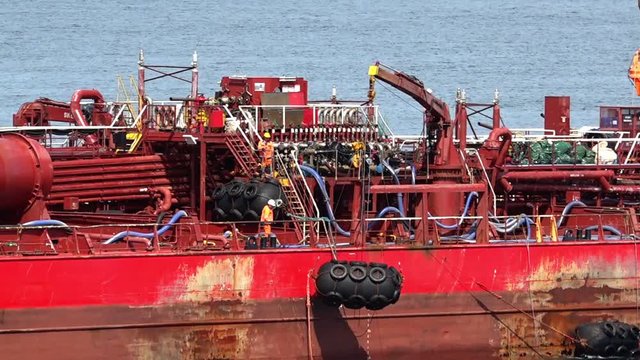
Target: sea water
(525, 49)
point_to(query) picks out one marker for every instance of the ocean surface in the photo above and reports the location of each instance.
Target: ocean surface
(525, 49)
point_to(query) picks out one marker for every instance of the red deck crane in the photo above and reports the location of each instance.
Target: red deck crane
(437, 120)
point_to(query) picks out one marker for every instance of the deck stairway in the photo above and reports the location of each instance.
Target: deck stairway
(243, 152)
(299, 198)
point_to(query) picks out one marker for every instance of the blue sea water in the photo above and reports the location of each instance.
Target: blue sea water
(526, 49)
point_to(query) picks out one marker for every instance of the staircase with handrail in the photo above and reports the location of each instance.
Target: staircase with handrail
(297, 196)
(244, 154)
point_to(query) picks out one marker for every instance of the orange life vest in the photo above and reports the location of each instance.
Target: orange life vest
(267, 152)
(267, 218)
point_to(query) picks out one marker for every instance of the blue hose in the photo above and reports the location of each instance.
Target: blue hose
(45, 223)
(567, 210)
(323, 188)
(464, 213)
(605, 227)
(384, 211)
(395, 177)
(123, 234)
(413, 174)
(57, 223)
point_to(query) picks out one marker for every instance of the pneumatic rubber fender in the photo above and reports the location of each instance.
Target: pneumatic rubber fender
(326, 283)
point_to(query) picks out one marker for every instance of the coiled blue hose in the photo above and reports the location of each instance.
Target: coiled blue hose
(119, 236)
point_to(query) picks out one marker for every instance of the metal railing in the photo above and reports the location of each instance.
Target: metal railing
(312, 115)
(591, 226)
(567, 150)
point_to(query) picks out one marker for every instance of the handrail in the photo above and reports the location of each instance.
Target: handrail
(283, 170)
(484, 170)
(378, 115)
(337, 112)
(633, 147)
(310, 197)
(87, 239)
(71, 128)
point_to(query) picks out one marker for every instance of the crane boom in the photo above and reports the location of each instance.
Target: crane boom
(413, 87)
(437, 120)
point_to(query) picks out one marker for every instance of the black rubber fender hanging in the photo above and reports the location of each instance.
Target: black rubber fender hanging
(333, 298)
(218, 214)
(358, 273)
(324, 282)
(607, 339)
(219, 192)
(377, 274)
(355, 302)
(236, 189)
(339, 271)
(377, 302)
(358, 284)
(251, 190)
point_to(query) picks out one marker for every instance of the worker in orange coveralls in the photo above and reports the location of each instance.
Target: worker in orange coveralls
(265, 147)
(266, 219)
(634, 71)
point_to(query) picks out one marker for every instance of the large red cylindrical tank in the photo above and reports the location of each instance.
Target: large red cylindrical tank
(26, 174)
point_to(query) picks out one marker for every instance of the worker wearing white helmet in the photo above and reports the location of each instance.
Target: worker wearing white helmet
(266, 219)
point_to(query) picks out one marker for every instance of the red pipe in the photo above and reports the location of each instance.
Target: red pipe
(120, 176)
(599, 175)
(136, 239)
(506, 185)
(606, 186)
(558, 175)
(420, 188)
(102, 192)
(76, 109)
(550, 187)
(129, 197)
(143, 182)
(102, 198)
(167, 199)
(494, 136)
(121, 169)
(111, 161)
(625, 189)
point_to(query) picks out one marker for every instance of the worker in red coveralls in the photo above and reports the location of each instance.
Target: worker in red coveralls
(265, 147)
(266, 219)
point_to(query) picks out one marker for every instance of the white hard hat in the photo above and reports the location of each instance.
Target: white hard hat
(227, 234)
(271, 202)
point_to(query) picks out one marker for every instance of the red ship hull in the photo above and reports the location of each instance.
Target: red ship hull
(457, 302)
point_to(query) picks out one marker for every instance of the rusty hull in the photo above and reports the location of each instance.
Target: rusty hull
(458, 303)
(443, 327)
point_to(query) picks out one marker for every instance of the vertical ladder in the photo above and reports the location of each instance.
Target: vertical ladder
(244, 154)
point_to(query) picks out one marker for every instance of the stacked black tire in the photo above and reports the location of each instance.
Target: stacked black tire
(359, 284)
(238, 200)
(607, 339)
